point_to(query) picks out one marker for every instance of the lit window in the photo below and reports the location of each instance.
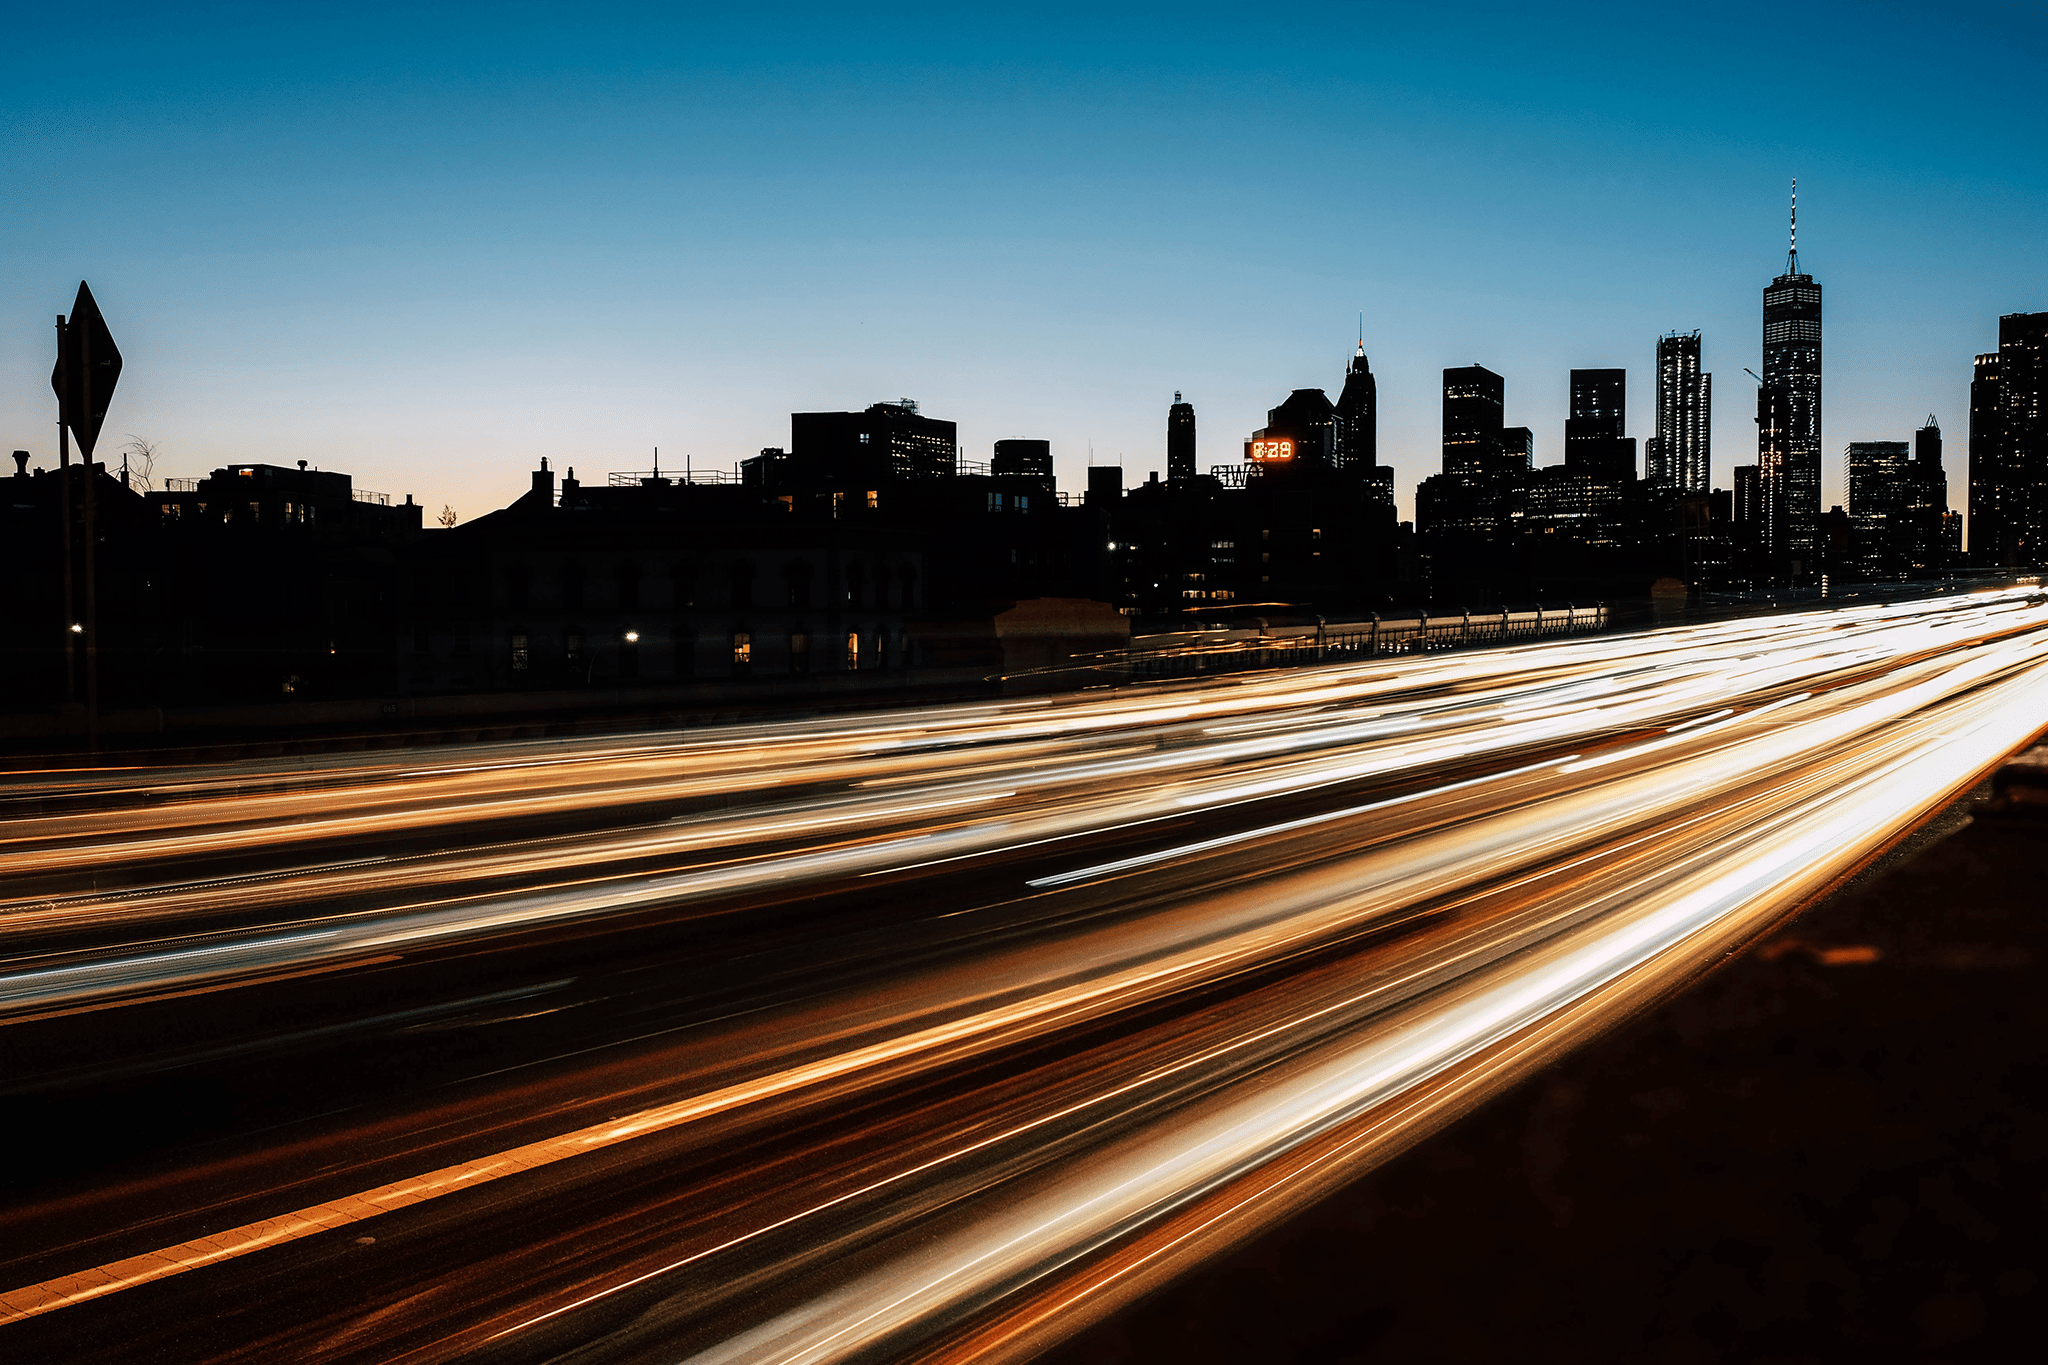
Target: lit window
(742, 648)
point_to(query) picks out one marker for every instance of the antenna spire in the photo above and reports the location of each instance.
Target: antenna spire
(1361, 333)
(1792, 255)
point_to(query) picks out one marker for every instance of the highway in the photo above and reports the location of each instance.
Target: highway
(925, 1035)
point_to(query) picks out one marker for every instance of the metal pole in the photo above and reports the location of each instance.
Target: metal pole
(64, 496)
(92, 634)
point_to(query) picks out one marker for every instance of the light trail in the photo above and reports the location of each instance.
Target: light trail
(1143, 970)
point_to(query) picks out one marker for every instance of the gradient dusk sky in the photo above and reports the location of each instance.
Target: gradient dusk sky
(427, 245)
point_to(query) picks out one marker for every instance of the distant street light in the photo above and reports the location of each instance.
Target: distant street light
(77, 629)
(632, 637)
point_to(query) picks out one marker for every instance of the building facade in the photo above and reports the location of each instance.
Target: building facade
(1679, 457)
(2009, 446)
(1181, 461)
(1789, 416)
(1358, 441)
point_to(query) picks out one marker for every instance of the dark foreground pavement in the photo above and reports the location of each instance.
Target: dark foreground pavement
(1834, 1148)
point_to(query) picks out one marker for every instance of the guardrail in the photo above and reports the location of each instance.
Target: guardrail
(1194, 653)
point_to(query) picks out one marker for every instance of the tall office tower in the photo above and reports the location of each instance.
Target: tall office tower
(2023, 433)
(1771, 419)
(1789, 464)
(1473, 402)
(1988, 541)
(1746, 510)
(1878, 488)
(1926, 503)
(1678, 457)
(1517, 450)
(1358, 441)
(1593, 440)
(1180, 439)
(1024, 460)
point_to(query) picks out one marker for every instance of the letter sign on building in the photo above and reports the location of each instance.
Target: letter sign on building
(1269, 449)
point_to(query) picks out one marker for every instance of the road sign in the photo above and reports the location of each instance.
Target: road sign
(88, 367)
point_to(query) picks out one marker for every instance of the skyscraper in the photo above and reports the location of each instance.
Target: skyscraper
(1358, 445)
(1473, 403)
(2016, 483)
(1879, 494)
(1679, 456)
(1926, 504)
(1593, 439)
(1989, 543)
(1180, 439)
(1788, 449)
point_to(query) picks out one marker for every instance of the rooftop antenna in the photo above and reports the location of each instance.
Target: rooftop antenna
(1932, 421)
(657, 462)
(1792, 256)
(1361, 331)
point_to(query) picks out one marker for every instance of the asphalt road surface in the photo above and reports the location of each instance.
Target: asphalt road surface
(933, 1035)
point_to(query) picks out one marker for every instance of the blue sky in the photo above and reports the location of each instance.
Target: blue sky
(428, 245)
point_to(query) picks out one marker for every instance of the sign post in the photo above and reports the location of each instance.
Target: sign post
(88, 366)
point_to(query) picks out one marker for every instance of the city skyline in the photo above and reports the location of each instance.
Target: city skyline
(586, 256)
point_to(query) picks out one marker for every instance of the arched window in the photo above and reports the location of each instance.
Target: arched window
(742, 652)
(522, 653)
(852, 651)
(799, 652)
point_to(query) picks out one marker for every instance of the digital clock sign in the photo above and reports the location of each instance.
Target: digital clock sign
(1269, 449)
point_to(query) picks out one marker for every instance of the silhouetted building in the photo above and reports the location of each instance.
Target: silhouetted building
(1309, 419)
(1030, 461)
(1924, 519)
(2009, 445)
(1180, 440)
(1593, 439)
(1105, 484)
(1358, 442)
(1679, 456)
(852, 451)
(1473, 407)
(1517, 452)
(1991, 523)
(1788, 446)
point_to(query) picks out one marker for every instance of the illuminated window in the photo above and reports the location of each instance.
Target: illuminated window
(799, 652)
(522, 658)
(742, 650)
(852, 651)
